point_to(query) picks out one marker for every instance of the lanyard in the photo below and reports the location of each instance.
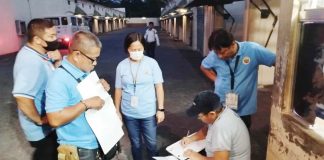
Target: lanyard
(44, 56)
(134, 77)
(77, 79)
(233, 71)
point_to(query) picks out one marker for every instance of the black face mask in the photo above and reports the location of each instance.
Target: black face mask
(52, 46)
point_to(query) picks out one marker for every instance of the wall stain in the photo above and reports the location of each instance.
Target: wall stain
(298, 136)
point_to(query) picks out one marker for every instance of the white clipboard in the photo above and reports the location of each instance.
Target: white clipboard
(177, 150)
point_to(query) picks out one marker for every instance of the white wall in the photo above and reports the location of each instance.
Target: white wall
(194, 29)
(141, 21)
(9, 12)
(25, 10)
(237, 10)
(258, 31)
(61, 7)
(50, 8)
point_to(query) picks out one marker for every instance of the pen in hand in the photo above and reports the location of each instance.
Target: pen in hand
(185, 140)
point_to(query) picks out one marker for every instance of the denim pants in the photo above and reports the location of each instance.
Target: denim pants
(138, 128)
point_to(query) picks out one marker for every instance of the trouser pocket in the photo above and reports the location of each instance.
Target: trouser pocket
(67, 152)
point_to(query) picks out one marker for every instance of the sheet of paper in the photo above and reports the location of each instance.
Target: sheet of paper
(105, 122)
(177, 150)
(166, 158)
(318, 126)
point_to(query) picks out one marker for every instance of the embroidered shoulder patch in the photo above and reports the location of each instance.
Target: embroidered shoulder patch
(246, 60)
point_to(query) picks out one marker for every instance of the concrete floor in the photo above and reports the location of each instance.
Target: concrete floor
(180, 67)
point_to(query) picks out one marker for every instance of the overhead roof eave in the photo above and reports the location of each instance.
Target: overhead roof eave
(195, 3)
(79, 11)
(108, 15)
(96, 13)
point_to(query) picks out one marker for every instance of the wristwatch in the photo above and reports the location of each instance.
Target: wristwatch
(162, 110)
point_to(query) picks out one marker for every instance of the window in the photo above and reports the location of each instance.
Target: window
(73, 21)
(86, 22)
(64, 21)
(20, 27)
(79, 21)
(309, 85)
(55, 21)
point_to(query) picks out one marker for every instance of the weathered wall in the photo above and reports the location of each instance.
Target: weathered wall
(259, 30)
(139, 20)
(289, 137)
(249, 26)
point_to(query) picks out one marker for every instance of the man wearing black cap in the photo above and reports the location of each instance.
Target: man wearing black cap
(226, 134)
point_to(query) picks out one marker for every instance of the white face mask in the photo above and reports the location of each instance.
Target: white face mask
(137, 55)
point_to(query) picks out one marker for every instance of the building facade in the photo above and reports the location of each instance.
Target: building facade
(17, 14)
(294, 30)
(193, 21)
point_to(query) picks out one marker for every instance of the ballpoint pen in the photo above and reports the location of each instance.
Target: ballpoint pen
(188, 133)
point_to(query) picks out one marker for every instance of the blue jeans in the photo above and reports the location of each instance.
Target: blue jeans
(138, 128)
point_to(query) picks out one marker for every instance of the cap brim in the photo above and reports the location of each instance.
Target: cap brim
(192, 111)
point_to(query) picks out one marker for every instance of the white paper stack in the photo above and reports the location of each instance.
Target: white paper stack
(105, 122)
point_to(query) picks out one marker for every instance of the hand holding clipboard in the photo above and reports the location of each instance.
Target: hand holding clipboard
(177, 149)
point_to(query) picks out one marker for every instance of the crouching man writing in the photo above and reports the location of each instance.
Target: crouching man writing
(226, 134)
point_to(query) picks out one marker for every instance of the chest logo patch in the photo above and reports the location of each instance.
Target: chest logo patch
(147, 72)
(246, 60)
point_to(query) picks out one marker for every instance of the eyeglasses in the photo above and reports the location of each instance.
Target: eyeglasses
(200, 116)
(93, 61)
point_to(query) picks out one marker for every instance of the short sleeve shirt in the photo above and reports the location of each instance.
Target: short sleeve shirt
(148, 74)
(31, 72)
(250, 55)
(61, 92)
(229, 133)
(150, 35)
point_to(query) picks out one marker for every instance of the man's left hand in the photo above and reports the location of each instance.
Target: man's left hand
(160, 116)
(189, 153)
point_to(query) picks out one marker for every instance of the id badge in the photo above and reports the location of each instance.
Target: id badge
(134, 101)
(231, 100)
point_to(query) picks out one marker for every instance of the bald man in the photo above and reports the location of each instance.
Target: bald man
(64, 106)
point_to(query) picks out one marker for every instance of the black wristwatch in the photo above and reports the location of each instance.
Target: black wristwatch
(162, 110)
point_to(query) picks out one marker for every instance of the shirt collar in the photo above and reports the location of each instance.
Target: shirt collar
(75, 71)
(43, 56)
(239, 48)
